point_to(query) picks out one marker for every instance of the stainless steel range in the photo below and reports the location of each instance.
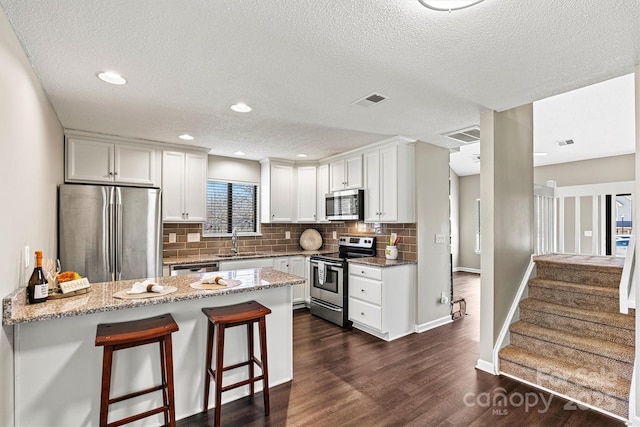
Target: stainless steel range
(329, 278)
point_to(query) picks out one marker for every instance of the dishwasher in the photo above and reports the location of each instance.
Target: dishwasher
(194, 268)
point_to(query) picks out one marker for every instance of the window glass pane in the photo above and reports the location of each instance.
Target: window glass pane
(231, 205)
(243, 207)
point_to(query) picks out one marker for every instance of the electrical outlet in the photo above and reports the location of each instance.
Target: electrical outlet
(287, 234)
(443, 298)
(439, 238)
(335, 234)
(588, 233)
(172, 237)
(193, 237)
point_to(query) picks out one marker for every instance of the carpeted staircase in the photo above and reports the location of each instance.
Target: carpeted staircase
(571, 337)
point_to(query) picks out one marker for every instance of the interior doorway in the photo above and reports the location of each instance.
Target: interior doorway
(619, 222)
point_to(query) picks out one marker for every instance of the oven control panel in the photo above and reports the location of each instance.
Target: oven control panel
(357, 242)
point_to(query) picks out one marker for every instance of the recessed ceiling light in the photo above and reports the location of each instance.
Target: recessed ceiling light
(448, 5)
(540, 154)
(186, 137)
(239, 153)
(301, 155)
(241, 108)
(111, 77)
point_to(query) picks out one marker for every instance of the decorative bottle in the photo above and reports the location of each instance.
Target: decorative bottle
(38, 286)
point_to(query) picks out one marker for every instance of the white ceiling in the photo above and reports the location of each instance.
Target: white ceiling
(301, 63)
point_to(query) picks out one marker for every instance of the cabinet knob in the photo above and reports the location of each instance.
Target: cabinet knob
(362, 313)
(361, 290)
(115, 173)
(110, 173)
(362, 272)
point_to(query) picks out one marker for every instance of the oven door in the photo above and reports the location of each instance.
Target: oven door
(332, 289)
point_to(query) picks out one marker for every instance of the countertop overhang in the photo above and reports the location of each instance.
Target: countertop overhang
(188, 259)
(380, 261)
(15, 308)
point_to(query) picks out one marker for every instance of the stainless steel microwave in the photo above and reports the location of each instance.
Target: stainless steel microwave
(345, 205)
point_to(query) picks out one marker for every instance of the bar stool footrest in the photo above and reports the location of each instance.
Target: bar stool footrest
(136, 417)
(136, 394)
(241, 383)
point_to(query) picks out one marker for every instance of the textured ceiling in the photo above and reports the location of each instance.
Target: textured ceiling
(301, 63)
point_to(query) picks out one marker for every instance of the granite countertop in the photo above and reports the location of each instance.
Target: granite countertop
(15, 308)
(381, 261)
(188, 259)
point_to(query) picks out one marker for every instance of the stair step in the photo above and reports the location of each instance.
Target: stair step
(602, 298)
(589, 352)
(600, 388)
(613, 327)
(594, 270)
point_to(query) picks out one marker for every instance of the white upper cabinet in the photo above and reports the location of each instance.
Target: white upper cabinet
(345, 174)
(389, 184)
(184, 186)
(323, 189)
(278, 192)
(95, 160)
(307, 200)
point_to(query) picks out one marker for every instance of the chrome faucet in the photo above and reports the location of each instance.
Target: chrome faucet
(234, 241)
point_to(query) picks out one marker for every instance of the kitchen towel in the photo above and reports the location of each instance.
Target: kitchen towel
(322, 271)
(146, 286)
(215, 278)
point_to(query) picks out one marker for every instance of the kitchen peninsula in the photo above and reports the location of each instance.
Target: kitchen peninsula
(57, 366)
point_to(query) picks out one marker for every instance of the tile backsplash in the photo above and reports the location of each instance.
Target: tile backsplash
(272, 238)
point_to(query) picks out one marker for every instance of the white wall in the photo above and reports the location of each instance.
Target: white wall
(469, 193)
(506, 191)
(454, 200)
(32, 152)
(593, 171)
(232, 169)
(432, 208)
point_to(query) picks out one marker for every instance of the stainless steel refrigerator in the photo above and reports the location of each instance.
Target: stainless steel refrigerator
(110, 233)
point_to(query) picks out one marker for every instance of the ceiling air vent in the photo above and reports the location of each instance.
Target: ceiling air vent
(565, 142)
(466, 136)
(369, 100)
(475, 157)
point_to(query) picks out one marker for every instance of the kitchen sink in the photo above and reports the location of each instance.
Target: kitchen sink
(241, 254)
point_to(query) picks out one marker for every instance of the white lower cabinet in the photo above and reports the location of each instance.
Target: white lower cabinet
(382, 299)
(294, 265)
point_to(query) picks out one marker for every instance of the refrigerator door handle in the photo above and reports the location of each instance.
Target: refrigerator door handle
(110, 229)
(118, 234)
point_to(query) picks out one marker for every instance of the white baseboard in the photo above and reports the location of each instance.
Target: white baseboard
(485, 366)
(433, 324)
(467, 270)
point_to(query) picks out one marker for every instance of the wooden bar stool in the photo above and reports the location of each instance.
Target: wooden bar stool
(118, 336)
(221, 318)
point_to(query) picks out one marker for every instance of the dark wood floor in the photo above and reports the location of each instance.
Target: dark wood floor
(349, 378)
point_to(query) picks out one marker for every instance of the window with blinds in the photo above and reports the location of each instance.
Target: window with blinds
(231, 205)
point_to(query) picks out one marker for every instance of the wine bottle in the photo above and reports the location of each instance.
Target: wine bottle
(38, 286)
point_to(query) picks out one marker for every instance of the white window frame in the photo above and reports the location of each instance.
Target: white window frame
(253, 233)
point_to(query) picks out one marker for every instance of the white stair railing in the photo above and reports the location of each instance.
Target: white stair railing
(627, 282)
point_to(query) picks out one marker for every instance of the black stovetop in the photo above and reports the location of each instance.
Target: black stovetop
(351, 247)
